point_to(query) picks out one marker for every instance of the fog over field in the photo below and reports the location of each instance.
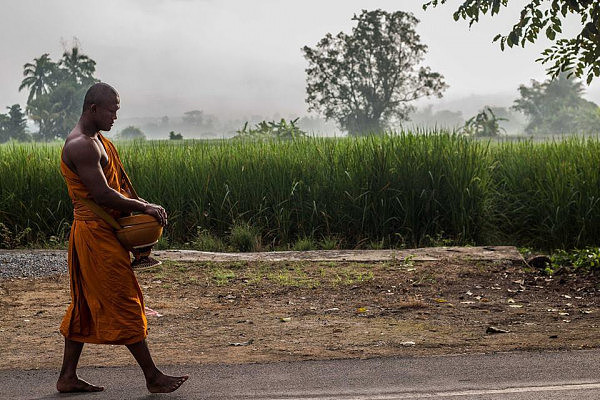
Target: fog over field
(240, 60)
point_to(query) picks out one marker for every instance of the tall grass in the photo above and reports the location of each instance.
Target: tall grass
(402, 190)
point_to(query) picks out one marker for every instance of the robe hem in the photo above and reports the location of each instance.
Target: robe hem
(95, 340)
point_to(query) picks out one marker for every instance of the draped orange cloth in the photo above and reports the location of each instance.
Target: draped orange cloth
(107, 305)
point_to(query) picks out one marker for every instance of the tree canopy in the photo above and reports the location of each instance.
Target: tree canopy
(366, 78)
(579, 55)
(13, 125)
(56, 91)
(556, 107)
(131, 133)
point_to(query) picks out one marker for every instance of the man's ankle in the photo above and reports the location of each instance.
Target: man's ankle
(67, 376)
(152, 375)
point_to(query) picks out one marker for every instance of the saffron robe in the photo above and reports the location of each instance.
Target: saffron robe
(107, 305)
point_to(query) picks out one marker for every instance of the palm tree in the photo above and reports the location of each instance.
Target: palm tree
(79, 66)
(38, 76)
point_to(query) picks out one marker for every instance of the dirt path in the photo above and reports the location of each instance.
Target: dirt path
(425, 301)
(487, 253)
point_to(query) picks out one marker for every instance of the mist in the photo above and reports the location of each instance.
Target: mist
(238, 61)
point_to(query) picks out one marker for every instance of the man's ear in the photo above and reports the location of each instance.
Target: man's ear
(93, 108)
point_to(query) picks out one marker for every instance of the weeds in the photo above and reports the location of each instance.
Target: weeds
(304, 244)
(244, 238)
(586, 260)
(222, 276)
(206, 241)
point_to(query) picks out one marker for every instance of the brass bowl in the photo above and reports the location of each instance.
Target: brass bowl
(139, 231)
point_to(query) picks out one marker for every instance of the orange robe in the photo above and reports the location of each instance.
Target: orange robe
(107, 305)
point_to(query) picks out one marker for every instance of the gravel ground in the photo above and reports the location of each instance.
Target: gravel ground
(20, 264)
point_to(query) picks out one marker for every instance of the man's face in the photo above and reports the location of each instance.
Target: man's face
(106, 113)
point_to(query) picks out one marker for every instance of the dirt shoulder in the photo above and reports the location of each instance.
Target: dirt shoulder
(265, 310)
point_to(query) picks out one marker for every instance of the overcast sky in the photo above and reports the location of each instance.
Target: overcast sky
(241, 57)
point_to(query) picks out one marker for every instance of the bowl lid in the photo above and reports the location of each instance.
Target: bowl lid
(136, 219)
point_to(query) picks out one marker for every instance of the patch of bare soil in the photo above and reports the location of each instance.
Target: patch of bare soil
(250, 311)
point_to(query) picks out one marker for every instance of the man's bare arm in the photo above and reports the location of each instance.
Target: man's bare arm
(85, 157)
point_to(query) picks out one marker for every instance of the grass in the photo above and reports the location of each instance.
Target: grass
(222, 276)
(390, 191)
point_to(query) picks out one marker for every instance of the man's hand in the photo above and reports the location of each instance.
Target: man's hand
(157, 212)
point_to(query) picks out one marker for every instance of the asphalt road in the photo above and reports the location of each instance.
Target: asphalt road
(509, 376)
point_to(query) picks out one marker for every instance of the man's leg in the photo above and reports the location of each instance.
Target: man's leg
(68, 380)
(156, 381)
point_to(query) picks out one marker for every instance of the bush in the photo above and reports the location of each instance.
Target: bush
(175, 136)
(206, 241)
(304, 244)
(244, 238)
(329, 243)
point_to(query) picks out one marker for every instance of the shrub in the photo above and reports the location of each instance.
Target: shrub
(206, 241)
(244, 238)
(304, 244)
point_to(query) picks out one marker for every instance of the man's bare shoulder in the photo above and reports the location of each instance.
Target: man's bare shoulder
(79, 147)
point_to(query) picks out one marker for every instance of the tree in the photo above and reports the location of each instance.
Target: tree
(426, 118)
(13, 125)
(57, 112)
(579, 55)
(17, 123)
(556, 107)
(365, 79)
(4, 133)
(193, 118)
(39, 76)
(131, 133)
(57, 91)
(78, 66)
(484, 124)
(175, 136)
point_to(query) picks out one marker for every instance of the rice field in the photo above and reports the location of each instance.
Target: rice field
(399, 190)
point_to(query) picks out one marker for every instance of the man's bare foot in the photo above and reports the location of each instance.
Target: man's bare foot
(164, 383)
(66, 385)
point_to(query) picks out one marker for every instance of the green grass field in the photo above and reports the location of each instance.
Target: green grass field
(379, 191)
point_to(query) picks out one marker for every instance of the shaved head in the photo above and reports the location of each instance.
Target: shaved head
(99, 93)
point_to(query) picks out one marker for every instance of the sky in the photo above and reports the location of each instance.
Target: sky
(235, 58)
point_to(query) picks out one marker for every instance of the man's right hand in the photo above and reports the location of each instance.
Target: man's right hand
(157, 212)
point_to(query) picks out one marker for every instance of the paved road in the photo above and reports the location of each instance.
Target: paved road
(512, 376)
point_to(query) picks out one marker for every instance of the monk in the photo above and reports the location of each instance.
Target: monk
(107, 306)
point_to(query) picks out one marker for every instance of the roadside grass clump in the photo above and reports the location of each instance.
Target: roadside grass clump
(221, 276)
(377, 244)
(163, 243)
(206, 241)
(244, 238)
(330, 243)
(305, 244)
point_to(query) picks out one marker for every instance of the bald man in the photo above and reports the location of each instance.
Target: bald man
(107, 306)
